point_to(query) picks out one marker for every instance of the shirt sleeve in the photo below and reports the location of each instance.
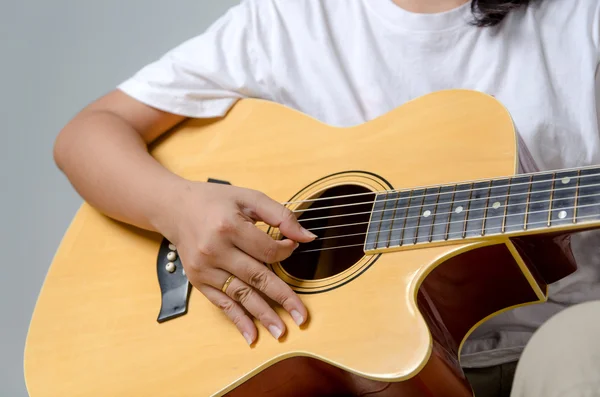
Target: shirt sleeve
(205, 75)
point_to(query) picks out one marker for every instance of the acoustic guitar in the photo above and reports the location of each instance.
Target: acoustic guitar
(425, 230)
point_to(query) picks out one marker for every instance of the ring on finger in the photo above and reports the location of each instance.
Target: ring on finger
(226, 285)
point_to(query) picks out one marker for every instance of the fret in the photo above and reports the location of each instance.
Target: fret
(375, 223)
(381, 217)
(577, 196)
(539, 201)
(527, 204)
(484, 208)
(588, 200)
(389, 210)
(459, 211)
(562, 210)
(428, 211)
(552, 187)
(401, 212)
(435, 211)
(412, 218)
(497, 207)
(505, 209)
(441, 220)
(517, 204)
(475, 216)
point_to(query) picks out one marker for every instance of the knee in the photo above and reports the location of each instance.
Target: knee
(563, 354)
(575, 327)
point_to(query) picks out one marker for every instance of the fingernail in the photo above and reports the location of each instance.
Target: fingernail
(275, 331)
(309, 234)
(298, 319)
(297, 245)
(248, 338)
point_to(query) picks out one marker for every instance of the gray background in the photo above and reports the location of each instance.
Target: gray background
(57, 56)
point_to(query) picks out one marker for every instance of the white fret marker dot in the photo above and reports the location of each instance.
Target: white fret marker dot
(496, 205)
(426, 213)
(565, 180)
(562, 214)
(459, 209)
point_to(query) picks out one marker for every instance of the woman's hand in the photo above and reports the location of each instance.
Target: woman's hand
(213, 227)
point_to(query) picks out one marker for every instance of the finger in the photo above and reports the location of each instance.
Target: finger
(260, 245)
(247, 297)
(258, 276)
(259, 206)
(232, 310)
(257, 306)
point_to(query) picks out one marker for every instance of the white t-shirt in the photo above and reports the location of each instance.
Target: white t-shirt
(346, 62)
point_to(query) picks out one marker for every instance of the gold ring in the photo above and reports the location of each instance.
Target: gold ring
(229, 280)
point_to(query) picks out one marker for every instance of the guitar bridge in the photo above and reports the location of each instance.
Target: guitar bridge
(174, 284)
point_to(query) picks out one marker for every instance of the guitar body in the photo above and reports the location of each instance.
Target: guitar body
(393, 321)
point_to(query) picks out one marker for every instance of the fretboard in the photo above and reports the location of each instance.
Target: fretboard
(528, 202)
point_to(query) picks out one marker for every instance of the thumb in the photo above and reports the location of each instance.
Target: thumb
(262, 207)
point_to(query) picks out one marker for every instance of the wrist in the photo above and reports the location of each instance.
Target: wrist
(164, 214)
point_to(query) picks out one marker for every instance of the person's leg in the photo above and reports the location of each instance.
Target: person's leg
(563, 357)
(485, 381)
(507, 379)
(493, 381)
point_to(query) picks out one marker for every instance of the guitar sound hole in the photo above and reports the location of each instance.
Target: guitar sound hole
(341, 226)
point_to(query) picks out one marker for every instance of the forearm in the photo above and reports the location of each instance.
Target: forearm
(107, 162)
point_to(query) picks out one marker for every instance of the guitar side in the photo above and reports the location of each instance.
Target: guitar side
(94, 330)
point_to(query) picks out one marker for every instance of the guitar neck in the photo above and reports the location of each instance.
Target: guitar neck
(524, 204)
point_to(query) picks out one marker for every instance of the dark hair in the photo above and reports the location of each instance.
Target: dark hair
(492, 12)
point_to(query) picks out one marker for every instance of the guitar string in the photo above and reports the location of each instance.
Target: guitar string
(439, 193)
(433, 224)
(500, 178)
(507, 196)
(411, 244)
(446, 213)
(449, 193)
(422, 206)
